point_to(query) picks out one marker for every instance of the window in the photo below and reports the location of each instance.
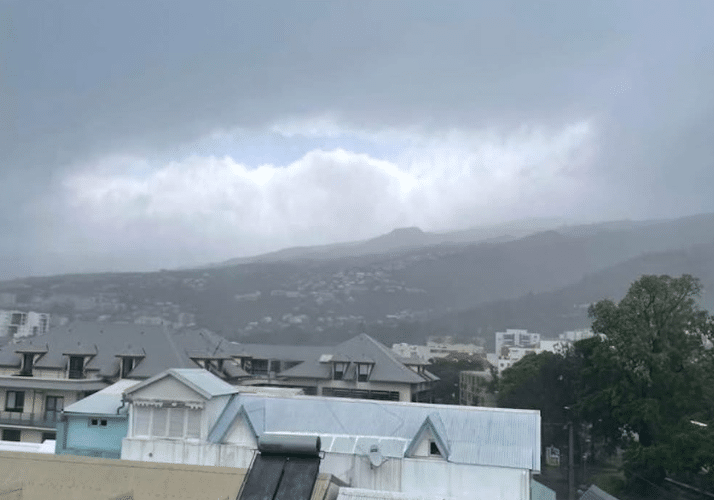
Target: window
(174, 423)
(158, 422)
(11, 434)
(142, 421)
(15, 401)
(193, 424)
(340, 369)
(127, 365)
(260, 367)
(28, 360)
(49, 436)
(363, 371)
(18, 319)
(53, 408)
(98, 422)
(76, 367)
(434, 449)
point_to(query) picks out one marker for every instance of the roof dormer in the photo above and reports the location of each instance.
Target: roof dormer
(30, 355)
(431, 440)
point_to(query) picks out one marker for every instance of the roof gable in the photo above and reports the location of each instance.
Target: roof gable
(432, 428)
(388, 367)
(469, 435)
(197, 380)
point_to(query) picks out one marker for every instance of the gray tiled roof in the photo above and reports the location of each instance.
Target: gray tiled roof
(281, 352)
(162, 348)
(473, 435)
(388, 366)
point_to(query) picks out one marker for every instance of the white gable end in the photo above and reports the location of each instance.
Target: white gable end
(168, 389)
(241, 433)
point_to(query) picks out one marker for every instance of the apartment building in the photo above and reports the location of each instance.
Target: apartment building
(16, 324)
(357, 368)
(41, 375)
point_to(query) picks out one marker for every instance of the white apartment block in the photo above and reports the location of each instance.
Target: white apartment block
(577, 335)
(18, 324)
(435, 350)
(513, 345)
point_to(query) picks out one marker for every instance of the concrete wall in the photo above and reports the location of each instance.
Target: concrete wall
(66, 477)
(183, 452)
(432, 477)
(429, 476)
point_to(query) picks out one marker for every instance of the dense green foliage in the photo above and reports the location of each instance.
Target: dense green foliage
(646, 386)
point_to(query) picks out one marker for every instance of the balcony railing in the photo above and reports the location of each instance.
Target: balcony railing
(47, 419)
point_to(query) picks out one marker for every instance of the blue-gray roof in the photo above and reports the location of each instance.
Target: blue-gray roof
(105, 402)
(474, 435)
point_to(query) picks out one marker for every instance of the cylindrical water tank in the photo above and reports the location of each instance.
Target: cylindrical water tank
(287, 444)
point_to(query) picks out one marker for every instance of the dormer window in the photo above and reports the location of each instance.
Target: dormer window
(76, 367)
(340, 367)
(28, 360)
(127, 365)
(363, 371)
(434, 450)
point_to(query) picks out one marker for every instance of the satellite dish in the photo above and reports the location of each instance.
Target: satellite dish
(375, 457)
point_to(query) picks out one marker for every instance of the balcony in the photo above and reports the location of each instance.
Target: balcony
(47, 419)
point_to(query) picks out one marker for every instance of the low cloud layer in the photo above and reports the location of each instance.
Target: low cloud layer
(208, 208)
(140, 135)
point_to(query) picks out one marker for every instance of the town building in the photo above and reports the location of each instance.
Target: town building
(40, 375)
(17, 324)
(95, 426)
(434, 349)
(474, 388)
(513, 345)
(357, 368)
(192, 417)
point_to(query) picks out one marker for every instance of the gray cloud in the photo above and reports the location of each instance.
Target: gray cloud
(82, 83)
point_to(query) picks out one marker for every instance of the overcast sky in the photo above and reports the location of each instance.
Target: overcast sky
(145, 135)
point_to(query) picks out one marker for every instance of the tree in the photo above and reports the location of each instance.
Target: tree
(657, 365)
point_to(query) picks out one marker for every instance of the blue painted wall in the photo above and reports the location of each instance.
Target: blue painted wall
(76, 437)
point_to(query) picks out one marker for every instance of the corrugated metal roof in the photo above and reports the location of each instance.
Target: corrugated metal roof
(363, 494)
(541, 492)
(198, 379)
(476, 435)
(595, 493)
(105, 402)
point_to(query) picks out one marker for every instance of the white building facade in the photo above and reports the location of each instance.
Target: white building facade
(17, 324)
(414, 448)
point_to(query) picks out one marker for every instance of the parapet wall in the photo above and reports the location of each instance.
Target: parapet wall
(33, 476)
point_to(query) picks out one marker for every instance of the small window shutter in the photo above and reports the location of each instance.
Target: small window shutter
(176, 416)
(193, 429)
(141, 421)
(158, 428)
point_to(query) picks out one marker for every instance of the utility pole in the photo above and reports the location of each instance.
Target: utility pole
(571, 462)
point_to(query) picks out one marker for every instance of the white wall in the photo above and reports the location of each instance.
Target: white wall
(422, 476)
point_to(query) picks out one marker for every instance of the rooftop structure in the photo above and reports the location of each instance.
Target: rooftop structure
(454, 451)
